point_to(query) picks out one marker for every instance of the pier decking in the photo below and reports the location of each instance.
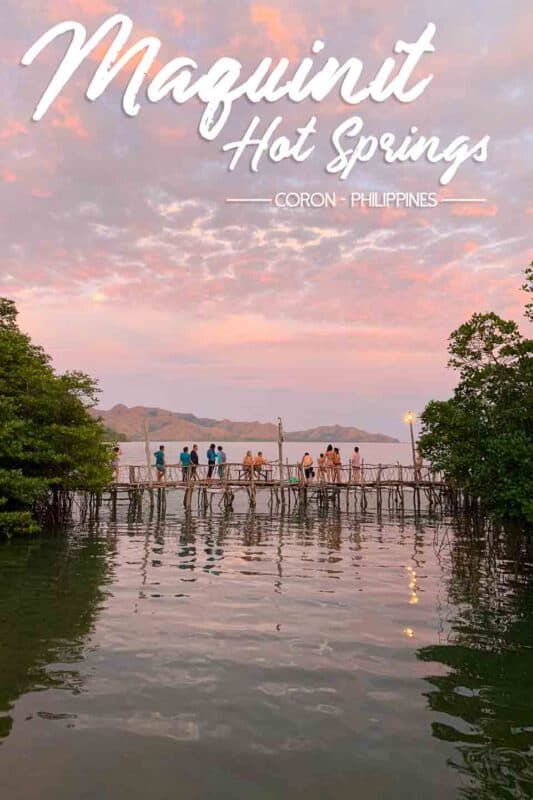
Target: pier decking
(388, 485)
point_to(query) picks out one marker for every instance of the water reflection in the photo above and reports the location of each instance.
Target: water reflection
(484, 702)
(328, 651)
(51, 592)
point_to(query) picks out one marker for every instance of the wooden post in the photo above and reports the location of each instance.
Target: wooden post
(280, 459)
(413, 449)
(148, 464)
(252, 485)
(147, 454)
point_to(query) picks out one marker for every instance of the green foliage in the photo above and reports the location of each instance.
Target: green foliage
(112, 435)
(49, 443)
(528, 287)
(482, 438)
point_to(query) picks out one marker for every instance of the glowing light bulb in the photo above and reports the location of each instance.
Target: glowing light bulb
(98, 297)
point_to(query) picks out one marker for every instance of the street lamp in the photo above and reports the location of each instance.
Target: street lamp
(409, 419)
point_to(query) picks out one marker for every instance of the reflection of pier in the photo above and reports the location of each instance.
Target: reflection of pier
(385, 485)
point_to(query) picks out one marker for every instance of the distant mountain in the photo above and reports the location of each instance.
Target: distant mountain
(171, 426)
(337, 433)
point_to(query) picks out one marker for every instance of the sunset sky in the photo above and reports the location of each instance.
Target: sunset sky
(126, 262)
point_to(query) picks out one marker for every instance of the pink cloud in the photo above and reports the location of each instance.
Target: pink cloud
(470, 247)
(383, 41)
(388, 215)
(124, 75)
(168, 134)
(13, 128)
(176, 16)
(316, 294)
(42, 193)
(285, 29)
(68, 119)
(92, 8)
(474, 210)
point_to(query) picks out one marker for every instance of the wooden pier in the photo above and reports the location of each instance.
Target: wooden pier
(383, 486)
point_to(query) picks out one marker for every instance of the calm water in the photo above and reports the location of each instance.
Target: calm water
(371, 452)
(246, 656)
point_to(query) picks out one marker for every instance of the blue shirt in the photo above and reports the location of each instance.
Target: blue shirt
(159, 458)
(185, 459)
(211, 456)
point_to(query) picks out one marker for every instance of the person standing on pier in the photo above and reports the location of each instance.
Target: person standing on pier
(194, 462)
(160, 466)
(248, 464)
(336, 465)
(330, 468)
(115, 462)
(185, 461)
(221, 461)
(211, 460)
(259, 463)
(307, 466)
(355, 462)
(322, 466)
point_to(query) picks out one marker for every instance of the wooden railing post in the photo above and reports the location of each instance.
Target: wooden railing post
(397, 478)
(252, 484)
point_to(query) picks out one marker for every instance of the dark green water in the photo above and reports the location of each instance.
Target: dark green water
(248, 657)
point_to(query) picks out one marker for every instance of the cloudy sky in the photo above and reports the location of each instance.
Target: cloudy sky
(126, 261)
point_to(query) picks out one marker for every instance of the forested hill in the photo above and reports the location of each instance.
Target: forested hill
(176, 426)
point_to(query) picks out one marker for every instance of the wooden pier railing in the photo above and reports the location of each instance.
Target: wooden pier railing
(283, 486)
(274, 474)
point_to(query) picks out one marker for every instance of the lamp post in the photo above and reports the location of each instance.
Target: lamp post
(409, 419)
(280, 449)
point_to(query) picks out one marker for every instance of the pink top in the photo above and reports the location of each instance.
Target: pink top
(356, 460)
